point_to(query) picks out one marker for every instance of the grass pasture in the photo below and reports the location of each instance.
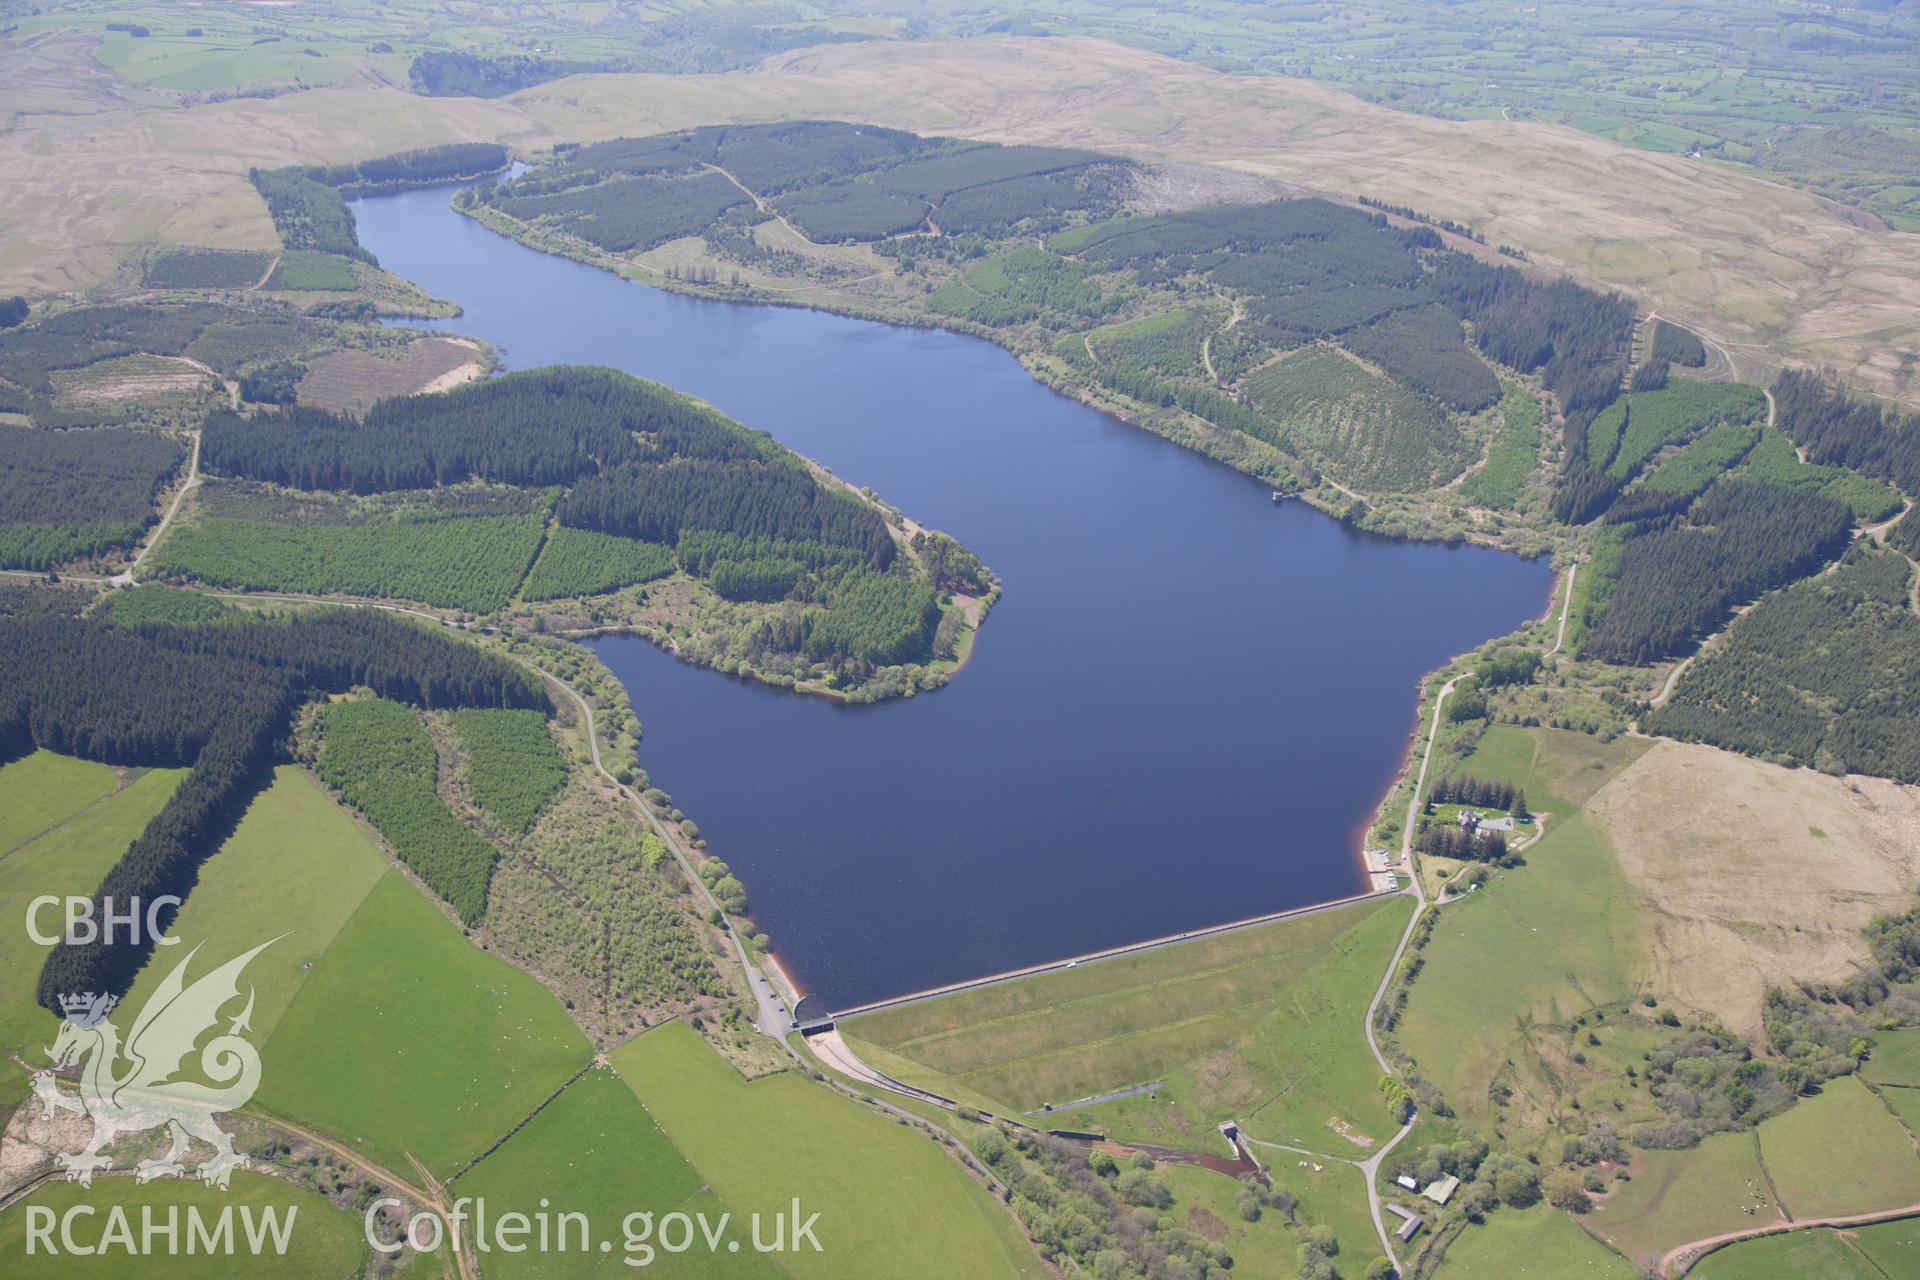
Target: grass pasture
(1559, 769)
(70, 858)
(1904, 1103)
(1260, 1024)
(890, 1202)
(1894, 1247)
(1204, 1203)
(1540, 1243)
(41, 789)
(1895, 1058)
(1679, 1196)
(1840, 1152)
(1797, 1255)
(1334, 1196)
(595, 1150)
(325, 1243)
(408, 1040)
(1540, 943)
(296, 865)
(1750, 874)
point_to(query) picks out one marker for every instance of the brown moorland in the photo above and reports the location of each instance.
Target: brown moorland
(1769, 272)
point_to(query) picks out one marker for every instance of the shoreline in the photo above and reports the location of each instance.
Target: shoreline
(1244, 455)
(1405, 767)
(1246, 458)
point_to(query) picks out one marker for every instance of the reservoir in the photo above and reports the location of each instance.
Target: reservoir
(1182, 712)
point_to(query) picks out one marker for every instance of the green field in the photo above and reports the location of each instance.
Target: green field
(890, 1202)
(1903, 1102)
(1894, 1247)
(325, 1243)
(38, 790)
(1360, 427)
(1895, 1058)
(174, 60)
(408, 1039)
(1680, 1196)
(72, 858)
(1543, 942)
(1540, 1243)
(1799, 1255)
(1559, 769)
(594, 1150)
(309, 270)
(1334, 1196)
(1260, 1024)
(296, 865)
(1206, 1203)
(1840, 1152)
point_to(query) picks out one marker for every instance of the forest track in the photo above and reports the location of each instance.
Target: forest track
(1566, 606)
(192, 481)
(1206, 348)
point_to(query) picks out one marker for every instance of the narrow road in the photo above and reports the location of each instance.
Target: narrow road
(772, 1019)
(1878, 532)
(1673, 678)
(1370, 1167)
(352, 1157)
(1684, 1256)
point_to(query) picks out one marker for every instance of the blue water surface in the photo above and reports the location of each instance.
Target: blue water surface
(1182, 712)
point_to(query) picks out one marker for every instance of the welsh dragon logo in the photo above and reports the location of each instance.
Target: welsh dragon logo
(131, 1087)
